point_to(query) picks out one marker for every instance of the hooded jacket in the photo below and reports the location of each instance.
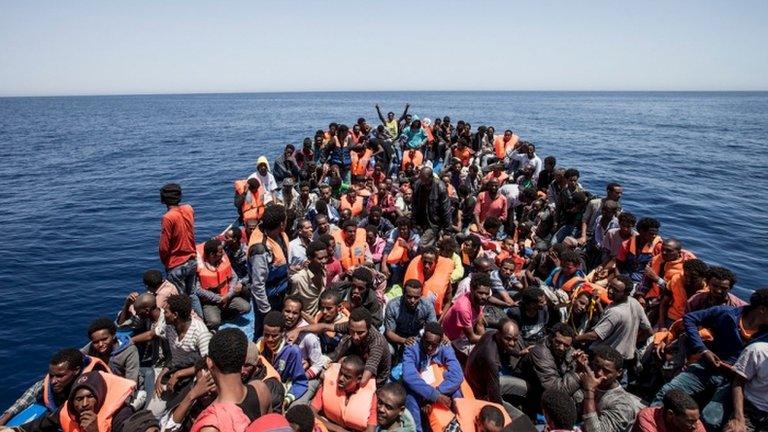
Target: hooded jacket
(124, 359)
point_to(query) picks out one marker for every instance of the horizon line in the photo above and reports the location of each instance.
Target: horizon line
(202, 93)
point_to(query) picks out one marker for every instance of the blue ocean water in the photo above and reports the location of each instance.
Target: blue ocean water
(79, 180)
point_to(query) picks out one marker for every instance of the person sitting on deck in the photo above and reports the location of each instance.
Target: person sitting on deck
(284, 357)
(345, 401)
(218, 288)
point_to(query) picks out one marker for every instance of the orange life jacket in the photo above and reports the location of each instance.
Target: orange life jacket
(413, 156)
(271, 371)
(671, 268)
(399, 252)
(217, 280)
(356, 207)
(94, 363)
(464, 155)
(354, 255)
(437, 284)
(277, 277)
(466, 412)
(428, 132)
(359, 164)
(253, 204)
(439, 418)
(351, 413)
(118, 390)
(501, 147)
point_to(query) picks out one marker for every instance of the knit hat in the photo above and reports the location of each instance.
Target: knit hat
(140, 421)
(262, 160)
(170, 194)
(93, 382)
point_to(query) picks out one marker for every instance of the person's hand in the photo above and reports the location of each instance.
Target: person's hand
(224, 302)
(711, 358)
(650, 274)
(88, 421)
(376, 106)
(4, 419)
(640, 299)
(410, 341)
(407, 105)
(131, 298)
(292, 335)
(204, 384)
(582, 241)
(582, 360)
(555, 260)
(660, 349)
(735, 425)
(159, 386)
(239, 288)
(172, 381)
(589, 382)
(444, 401)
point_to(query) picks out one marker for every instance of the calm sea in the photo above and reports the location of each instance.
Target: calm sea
(79, 179)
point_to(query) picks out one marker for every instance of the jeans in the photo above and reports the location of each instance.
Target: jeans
(183, 276)
(212, 313)
(695, 380)
(148, 375)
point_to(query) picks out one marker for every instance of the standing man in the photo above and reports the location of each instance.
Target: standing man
(269, 256)
(177, 240)
(431, 208)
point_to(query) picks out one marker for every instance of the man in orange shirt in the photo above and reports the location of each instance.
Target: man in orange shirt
(177, 241)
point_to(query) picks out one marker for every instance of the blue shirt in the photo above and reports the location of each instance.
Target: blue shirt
(723, 322)
(415, 361)
(406, 322)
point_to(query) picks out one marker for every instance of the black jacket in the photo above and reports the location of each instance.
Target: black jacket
(435, 212)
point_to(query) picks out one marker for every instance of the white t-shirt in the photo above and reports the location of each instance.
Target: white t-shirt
(267, 182)
(752, 365)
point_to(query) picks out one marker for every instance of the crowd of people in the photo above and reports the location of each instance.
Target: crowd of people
(417, 276)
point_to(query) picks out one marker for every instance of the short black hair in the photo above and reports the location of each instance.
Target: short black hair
(722, 273)
(559, 408)
(611, 186)
(607, 352)
(528, 195)
(295, 299)
(102, 323)
(474, 240)
(396, 389)
(679, 402)
(627, 218)
(493, 414)
(302, 417)
(531, 295)
(152, 279)
(71, 356)
(227, 349)
(550, 160)
(274, 319)
(181, 305)
(354, 361)
(237, 233)
(211, 246)
(479, 279)
(564, 329)
(491, 222)
(363, 274)
(315, 247)
(572, 172)
(696, 266)
(627, 281)
(647, 223)
(434, 327)
(412, 283)
(347, 223)
(274, 215)
(402, 220)
(570, 256)
(330, 294)
(359, 314)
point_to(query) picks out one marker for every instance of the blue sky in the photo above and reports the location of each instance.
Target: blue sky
(136, 46)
